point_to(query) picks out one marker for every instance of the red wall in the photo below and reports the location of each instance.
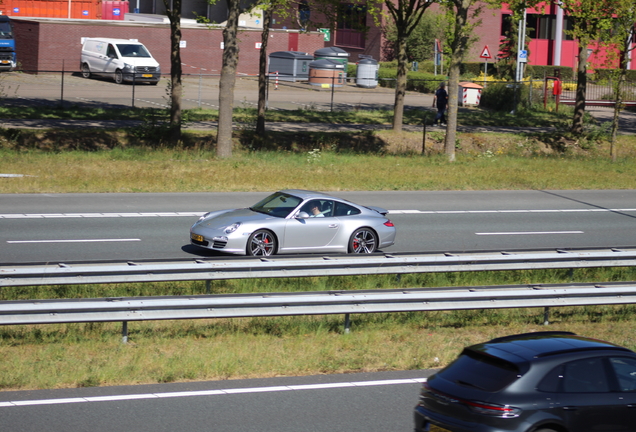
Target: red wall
(47, 45)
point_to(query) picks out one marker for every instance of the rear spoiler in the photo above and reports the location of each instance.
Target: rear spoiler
(380, 210)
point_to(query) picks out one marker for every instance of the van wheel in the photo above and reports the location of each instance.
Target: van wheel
(86, 71)
(119, 76)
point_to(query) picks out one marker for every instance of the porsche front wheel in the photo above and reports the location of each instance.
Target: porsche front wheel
(261, 243)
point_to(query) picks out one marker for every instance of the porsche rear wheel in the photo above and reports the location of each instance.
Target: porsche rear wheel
(261, 243)
(363, 240)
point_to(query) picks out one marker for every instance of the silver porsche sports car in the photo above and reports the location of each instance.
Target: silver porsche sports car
(295, 221)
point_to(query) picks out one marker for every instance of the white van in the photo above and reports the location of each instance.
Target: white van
(120, 59)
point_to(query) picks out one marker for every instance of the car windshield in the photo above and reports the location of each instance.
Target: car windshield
(278, 204)
(133, 50)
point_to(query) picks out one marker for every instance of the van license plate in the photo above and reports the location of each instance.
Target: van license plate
(147, 76)
(5, 61)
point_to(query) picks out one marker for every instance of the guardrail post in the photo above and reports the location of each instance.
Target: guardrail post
(347, 325)
(208, 286)
(546, 316)
(124, 332)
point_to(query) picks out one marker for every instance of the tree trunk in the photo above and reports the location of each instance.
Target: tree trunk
(458, 45)
(228, 81)
(176, 87)
(400, 84)
(262, 75)
(581, 88)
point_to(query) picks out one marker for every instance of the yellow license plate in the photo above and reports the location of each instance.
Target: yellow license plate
(434, 428)
(5, 61)
(147, 76)
(197, 237)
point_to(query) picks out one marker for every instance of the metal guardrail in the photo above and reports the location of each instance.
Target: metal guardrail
(333, 265)
(313, 303)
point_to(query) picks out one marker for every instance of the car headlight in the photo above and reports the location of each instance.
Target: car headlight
(128, 67)
(158, 70)
(230, 229)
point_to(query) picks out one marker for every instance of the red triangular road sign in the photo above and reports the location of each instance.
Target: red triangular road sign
(485, 53)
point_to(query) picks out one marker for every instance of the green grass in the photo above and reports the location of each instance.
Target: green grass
(466, 116)
(82, 355)
(167, 170)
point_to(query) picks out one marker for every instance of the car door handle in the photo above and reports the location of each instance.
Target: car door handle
(333, 226)
(631, 406)
(570, 408)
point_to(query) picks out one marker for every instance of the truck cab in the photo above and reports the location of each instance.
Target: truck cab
(8, 59)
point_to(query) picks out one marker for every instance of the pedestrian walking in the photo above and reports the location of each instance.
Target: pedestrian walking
(440, 100)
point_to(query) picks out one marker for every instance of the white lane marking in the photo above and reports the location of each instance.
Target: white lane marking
(97, 215)
(510, 211)
(74, 241)
(528, 233)
(198, 214)
(211, 392)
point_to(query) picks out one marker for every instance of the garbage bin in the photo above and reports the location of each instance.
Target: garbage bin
(326, 73)
(332, 53)
(290, 65)
(469, 93)
(367, 74)
(335, 54)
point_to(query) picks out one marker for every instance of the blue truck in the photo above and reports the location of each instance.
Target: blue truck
(7, 45)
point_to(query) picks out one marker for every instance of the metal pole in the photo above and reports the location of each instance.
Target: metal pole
(133, 90)
(199, 89)
(333, 83)
(546, 316)
(424, 133)
(124, 332)
(347, 325)
(62, 87)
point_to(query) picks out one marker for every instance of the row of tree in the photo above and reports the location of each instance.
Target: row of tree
(607, 23)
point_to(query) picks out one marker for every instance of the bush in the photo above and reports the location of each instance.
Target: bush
(501, 96)
(606, 74)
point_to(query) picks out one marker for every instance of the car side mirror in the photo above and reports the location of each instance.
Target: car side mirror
(302, 215)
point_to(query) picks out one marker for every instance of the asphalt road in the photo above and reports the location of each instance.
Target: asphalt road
(77, 227)
(370, 402)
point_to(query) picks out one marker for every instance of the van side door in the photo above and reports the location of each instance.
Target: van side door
(112, 60)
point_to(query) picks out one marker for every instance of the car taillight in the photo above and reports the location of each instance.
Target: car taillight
(388, 223)
(504, 411)
(484, 408)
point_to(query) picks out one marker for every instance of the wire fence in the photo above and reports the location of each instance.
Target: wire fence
(59, 88)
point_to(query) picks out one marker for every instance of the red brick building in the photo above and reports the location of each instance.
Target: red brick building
(50, 44)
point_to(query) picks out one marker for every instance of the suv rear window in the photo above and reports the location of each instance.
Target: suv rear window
(477, 370)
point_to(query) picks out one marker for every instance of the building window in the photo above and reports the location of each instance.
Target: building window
(304, 14)
(351, 25)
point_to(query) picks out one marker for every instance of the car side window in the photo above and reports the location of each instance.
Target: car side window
(625, 371)
(585, 376)
(343, 209)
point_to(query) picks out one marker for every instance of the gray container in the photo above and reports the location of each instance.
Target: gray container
(367, 74)
(290, 65)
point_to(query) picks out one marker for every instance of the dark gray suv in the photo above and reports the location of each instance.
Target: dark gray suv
(533, 382)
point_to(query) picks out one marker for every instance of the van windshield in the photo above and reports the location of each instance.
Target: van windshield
(133, 50)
